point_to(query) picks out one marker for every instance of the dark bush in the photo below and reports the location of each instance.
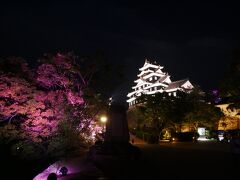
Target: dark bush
(153, 139)
(186, 136)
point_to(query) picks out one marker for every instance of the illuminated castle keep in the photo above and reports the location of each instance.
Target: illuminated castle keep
(152, 79)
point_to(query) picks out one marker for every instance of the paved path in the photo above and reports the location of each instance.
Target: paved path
(186, 160)
(177, 161)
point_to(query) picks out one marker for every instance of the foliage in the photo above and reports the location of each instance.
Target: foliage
(65, 141)
(156, 110)
(162, 111)
(198, 111)
(149, 137)
(135, 118)
(17, 66)
(204, 115)
(37, 107)
(52, 108)
(10, 134)
(102, 76)
(27, 150)
(230, 85)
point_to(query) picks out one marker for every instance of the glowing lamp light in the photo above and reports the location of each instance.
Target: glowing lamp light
(103, 119)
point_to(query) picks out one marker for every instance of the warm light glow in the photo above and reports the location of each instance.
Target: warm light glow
(220, 137)
(203, 139)
(103, 119)
(201, 131)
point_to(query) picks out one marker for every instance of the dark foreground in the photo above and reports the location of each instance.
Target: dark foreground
(178, 160)
(12, 168)
(205, 160)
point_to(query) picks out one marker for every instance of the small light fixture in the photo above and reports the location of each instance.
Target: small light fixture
(103, 119)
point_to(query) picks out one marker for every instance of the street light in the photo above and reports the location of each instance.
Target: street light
(103, 120)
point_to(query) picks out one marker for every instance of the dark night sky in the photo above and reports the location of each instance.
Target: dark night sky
(189, 39)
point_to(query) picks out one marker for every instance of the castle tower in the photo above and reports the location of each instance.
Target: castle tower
(151, 80)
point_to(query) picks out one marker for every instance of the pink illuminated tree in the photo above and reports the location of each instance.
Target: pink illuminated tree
(53, 94)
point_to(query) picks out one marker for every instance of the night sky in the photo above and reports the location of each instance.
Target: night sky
(190, 40)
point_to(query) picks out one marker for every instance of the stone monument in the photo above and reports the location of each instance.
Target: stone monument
(117, 127)
(116, 143)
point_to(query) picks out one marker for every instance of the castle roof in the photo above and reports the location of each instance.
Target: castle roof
(163, 78)
(176, 84)
(147, 65)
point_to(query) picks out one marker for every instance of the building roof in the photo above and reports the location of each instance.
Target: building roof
(176, 84)
(163, 78)
(159, 70)
(149, 65)
(144, 72)
(151, 74)
(156, 85)
(131, 99)
(141, 84)
(130, 94)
